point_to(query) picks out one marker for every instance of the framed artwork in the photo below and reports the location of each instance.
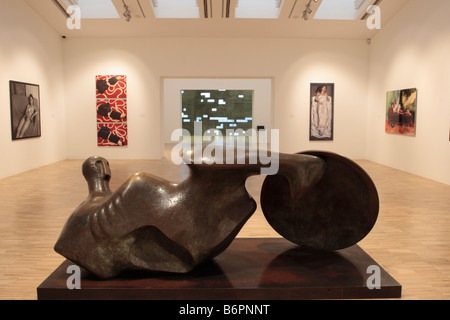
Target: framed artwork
(25, 110)
(111, 105)
(321, 122)
(401, 110)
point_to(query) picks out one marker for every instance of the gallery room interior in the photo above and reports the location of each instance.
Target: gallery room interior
(384, 66)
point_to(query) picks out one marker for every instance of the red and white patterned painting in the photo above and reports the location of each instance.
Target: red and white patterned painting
(111, 87)
(111, 104)
(112, 134)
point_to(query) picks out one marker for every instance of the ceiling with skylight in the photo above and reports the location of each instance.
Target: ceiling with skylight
(258, 9)
(216, 18)
(242, 9)
(95, 9)
(180, 9)
(341, 9)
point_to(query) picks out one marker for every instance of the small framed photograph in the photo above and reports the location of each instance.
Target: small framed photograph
(25, 110)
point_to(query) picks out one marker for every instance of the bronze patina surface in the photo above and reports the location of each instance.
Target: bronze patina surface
(335, 213)
(152, 224)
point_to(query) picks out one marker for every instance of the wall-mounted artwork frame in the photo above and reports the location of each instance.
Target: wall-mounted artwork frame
(111, 105)
(401, 112)
(25, 110)
(321, 121)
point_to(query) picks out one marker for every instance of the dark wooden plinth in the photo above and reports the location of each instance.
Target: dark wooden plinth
(250, 269)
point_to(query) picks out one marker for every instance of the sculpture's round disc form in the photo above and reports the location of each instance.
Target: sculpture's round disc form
(335, 213)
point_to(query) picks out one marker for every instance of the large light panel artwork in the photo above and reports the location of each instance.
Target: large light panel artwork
(219, 112)
(111, 104)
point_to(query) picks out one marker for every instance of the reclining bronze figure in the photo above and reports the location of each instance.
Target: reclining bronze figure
(152, 224)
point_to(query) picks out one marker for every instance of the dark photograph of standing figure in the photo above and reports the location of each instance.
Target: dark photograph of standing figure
(25, 110)
(321, 115)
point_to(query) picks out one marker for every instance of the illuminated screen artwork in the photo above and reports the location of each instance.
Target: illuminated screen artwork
(220, 112)
(111, 104)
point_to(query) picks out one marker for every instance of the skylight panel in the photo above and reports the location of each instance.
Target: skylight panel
(258, 9)
(95, 9)
(175, 8)
(341, 9)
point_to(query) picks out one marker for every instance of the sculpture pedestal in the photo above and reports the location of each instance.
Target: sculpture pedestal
(250, 269)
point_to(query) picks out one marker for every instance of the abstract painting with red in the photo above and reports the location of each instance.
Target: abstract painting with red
(111, 105)
(111, 110)
(111, 87)
(112, 134)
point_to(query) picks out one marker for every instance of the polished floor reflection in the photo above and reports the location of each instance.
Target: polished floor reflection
(410, 240)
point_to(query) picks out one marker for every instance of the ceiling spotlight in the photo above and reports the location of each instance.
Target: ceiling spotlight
(308, 10)
(305, 15)
(127, 13)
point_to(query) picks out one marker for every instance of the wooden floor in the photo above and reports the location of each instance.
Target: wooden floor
(411, 239)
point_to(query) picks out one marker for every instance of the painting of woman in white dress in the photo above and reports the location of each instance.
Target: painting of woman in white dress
(25, 110)
(321, 117)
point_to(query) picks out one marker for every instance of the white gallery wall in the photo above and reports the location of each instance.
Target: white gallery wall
(86, 58)
(292, 64)
(31, 52)
(409, 51)
(412, 51)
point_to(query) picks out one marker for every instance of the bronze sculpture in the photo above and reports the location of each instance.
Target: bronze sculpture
(152, 224)
(335, 213)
